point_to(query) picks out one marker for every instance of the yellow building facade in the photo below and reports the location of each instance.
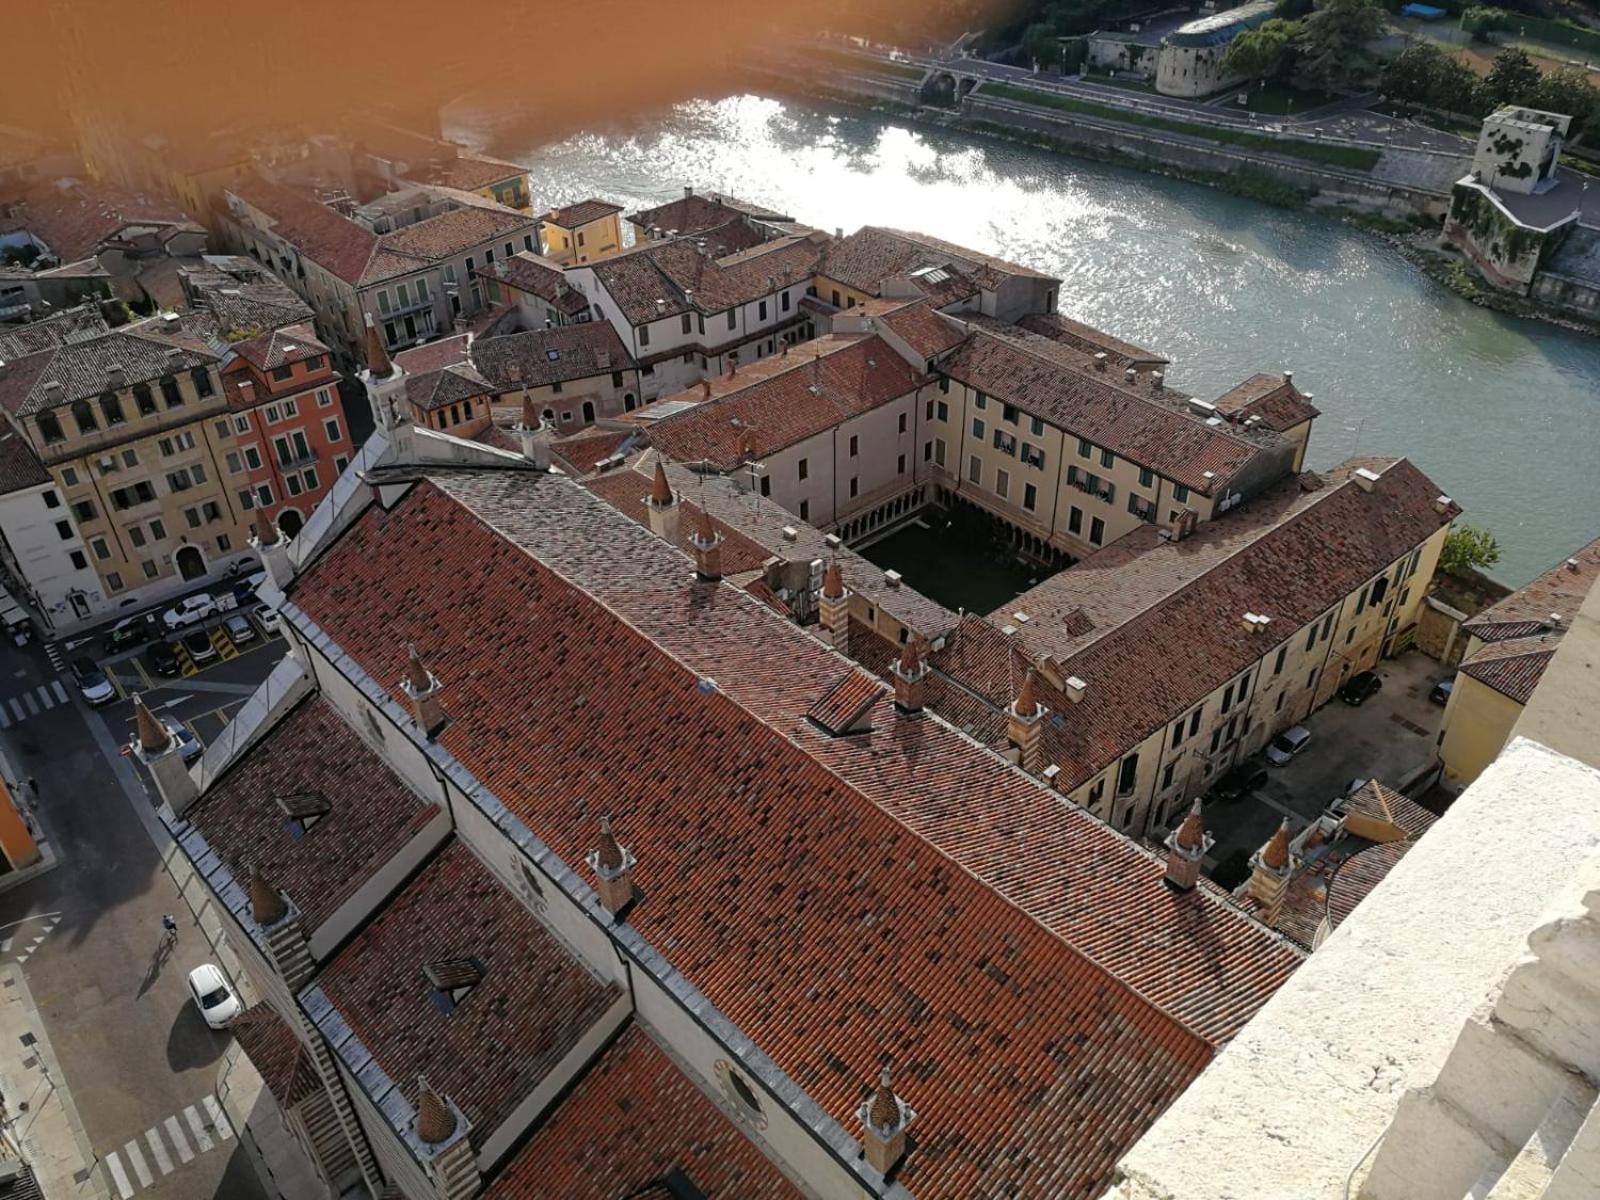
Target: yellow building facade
(582, 232)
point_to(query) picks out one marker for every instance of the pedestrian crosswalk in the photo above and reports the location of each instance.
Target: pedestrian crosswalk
(137, 1164)
(29, 939)
(53, 652)
(14, 710)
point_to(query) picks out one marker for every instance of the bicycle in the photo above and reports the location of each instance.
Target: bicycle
(169, 931)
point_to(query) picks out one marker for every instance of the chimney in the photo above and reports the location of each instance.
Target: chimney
(1187, 845)
(1130, 375)
(612, 864)
(884, 1118)
(267, 905)
(1182, 525)
(422, 688)
(115, 375)
(911, 676)
(247, 391)
(1288, 376)
(1365, 479)
(1100, 361)
(838, 233)
(834, 608)
(1572, 563)
(1076, 689)
(662, 506)
(1025, 726)
(784, 353)
(440, 1131)
(1157, 380)
(705, 389)
(733, 362)
(706, 543)
(1270, 870)
(378, 364)
(1443, 505)
(688, 191)
(157, 749)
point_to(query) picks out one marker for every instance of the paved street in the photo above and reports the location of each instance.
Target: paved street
(139, 1061)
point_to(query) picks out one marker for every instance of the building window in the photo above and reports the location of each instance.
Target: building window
(1030, 496)
(143, 400)
(733, 318)
(977, 428)
(855, 445)
(902, 422)
(1097, 531)
(1277, 667)
(136, 536)
(855, 486)
(80, 561)
(1311, 681)
(113, 580)
(1146, 476)
(1075, 520)
(1008, 412)
(1036, 427)
(1002, 484)
(51, 500)
(64, 530)
(1127, 774)
(1085, 449)
(766, 485)
(975, 469)
(101, 550)
(1107, 459)
(1179, 493)
(805, 510)
(150, 569)
(264, 495)
(202, 382)
(111, 409)
(83, 414)
(170, 393)
(1166, 775)
(50, 428)
(938, 451)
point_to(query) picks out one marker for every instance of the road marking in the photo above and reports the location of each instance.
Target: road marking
(219, 1119)
(179, 1142)
(119, 1176)
(131, 1152)
(202, 1139)
(44, 696)
(27, 698)
(5, 946)
(145, 679)
(61, 692)
(158, 1148)
(5, 720)
(16, 708)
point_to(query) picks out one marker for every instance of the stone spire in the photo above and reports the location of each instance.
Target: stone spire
(910, 676)
(153, 735)
(422, 688)
(435, 1122)
(833, 611)
(266, 532)
(378, 363)
(833, 583)
(707, 543)
(884, 1118)
(273, 547)
(1187, 846)
(1271, 868)
(266, 902)
(530, 419)
(662, 506)
(1025, 726)
(612, 864)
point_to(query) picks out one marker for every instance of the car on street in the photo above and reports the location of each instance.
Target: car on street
(1440, 694)
(189, 610)
(199, 646)
(1287, 744)
(238, 628)
(189, 746)
(217, 1002)
(1358, 689)
(92, 683)
(130, 632)
(245, 590)
(163, 659)
(1241, 781)
(271, 623)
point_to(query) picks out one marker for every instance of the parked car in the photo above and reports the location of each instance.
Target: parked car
(239, 629)
(1440, 694)
(129, 632)
(271, 623)
(189, 746)
(199, 646)
(92, 683)
(1358, 689)
(163, 659)
(1287, 744)
(217, 1002)
(189, 610)
(1243, 779)
(245, 590)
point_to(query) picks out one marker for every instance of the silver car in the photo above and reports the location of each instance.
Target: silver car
(1287, 744)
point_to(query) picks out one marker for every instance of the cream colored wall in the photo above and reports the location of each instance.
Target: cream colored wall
(1477, 723)
(601, 239)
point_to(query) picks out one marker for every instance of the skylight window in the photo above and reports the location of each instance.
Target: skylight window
(451, 980)
(303, 810)
(553, 355)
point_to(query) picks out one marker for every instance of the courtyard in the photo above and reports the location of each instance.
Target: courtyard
(955, 561)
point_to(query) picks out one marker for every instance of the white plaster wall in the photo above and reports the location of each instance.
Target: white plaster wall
(1292, 1105)
(43, 557)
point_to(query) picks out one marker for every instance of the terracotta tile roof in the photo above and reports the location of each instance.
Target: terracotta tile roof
(696, 214)
(433, 390)
(580, 212)
(1135, 421)
(545, 356)
(1381, 803)
(927, 333)
(430, 356)
(532, 1004)
(847, 705)
(979, 998)
(528, 272)
(333, 242)
(444, 236)
(781, 400)
(19, 465)
(871, 255)
(631, 1119)
(1526, 611)
(69, 325)
(685, 279)
(627, 490)
(1273, 398)
(581, 453)
(1177, 633)
(283, 1062)
(273, 349)
(145, 351)
(79, 220)
(1090, 341)
(1511, 668)
(310, 757)
(470, 172)
(1358, 875)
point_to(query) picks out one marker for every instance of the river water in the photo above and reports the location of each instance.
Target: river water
(1503, 414)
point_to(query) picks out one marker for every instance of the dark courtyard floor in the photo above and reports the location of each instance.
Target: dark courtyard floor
(953, 563)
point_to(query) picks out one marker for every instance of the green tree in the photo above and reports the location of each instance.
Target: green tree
(1567, 90)
(1042, 44)
(1481, 20)
(1422, 73)
(1334, 45)
(1467, 547)
(1511, 78)
(1262, 53)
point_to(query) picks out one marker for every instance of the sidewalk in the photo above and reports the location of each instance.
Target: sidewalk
(40, 1119)
(275, 1152)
